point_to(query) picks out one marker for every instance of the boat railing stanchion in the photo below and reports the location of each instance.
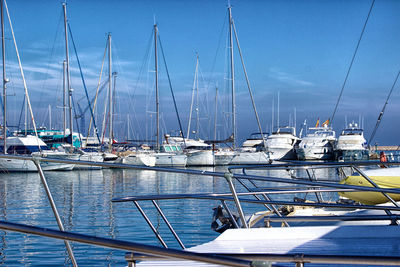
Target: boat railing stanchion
(228, 176)
(266, 197)
(226, 207)
(384, 193)
(312, 178)
(168, 224)
(36, 161)
(157, 234)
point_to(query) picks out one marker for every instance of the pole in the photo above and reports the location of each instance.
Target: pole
(156, 78)
(68, 78)
(110, 95)
(232, 79)
(64, 99)
(215, 113)
(4, 81)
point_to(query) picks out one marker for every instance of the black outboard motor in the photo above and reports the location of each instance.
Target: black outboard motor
(221, 220)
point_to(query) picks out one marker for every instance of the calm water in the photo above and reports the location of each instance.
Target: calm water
(83, 199)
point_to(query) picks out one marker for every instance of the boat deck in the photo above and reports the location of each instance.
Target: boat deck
(349, 240)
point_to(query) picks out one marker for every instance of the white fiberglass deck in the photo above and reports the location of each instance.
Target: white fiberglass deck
(360, 240)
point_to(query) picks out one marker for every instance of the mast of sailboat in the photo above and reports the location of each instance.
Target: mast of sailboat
(215, 113)
(193, 91)
(110, 95)
(232, 78)
(3, 49)
(156, 81)
(50, 117)
(197, 104)
(64, 100)
(68, 78)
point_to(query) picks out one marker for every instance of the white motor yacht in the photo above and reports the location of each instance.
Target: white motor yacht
(318, 144)
(351, 144)
(280, 144)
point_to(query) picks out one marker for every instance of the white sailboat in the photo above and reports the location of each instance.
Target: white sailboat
(197, 151)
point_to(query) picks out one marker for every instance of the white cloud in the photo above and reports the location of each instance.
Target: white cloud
(288, 78)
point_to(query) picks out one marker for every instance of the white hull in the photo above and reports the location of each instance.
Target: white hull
(314, 153)
(92, 157)
(16, 165)
(223, 157)
(247, 157)
(140, 159)
(200, 158)
(278, 153)
(170, 159)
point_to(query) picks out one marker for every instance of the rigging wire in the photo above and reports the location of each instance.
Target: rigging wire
(383, 110)
(84, 84)
(351, 63)
(145, 62)
(172, 92)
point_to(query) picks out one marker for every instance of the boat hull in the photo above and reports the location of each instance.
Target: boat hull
(314, 153)
(200, 158)
(384, 178)
(92, 157)
(170, 159)
(140, 159)
(248, 157)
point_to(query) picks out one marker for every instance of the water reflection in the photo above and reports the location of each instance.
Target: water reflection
(83, 199)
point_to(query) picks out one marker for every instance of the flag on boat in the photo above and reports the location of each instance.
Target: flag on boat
(326, 123)
(317, 124)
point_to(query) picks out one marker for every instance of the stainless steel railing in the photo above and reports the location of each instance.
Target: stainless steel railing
(309, 184)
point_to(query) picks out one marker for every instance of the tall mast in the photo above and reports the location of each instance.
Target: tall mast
(68, 78)
(197, 103)
(64, 100)
(3, 47)
(192, 100)
(215, 113)
(232, 78)
(157, 100)
(110, 95)
(277, 113)
(50, 117)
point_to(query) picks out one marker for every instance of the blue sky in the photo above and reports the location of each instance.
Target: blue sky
(301, 49)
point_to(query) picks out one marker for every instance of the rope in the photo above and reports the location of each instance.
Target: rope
(383, 109)
(352, 61)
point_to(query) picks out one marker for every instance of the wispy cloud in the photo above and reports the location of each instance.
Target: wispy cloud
(288, 78)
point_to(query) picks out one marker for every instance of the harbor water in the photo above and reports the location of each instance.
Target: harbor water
(83, 199)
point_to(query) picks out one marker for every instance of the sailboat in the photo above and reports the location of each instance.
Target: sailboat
(243, 155)
(24, 145)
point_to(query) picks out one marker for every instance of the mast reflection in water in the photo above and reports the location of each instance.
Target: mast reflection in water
(83, 199)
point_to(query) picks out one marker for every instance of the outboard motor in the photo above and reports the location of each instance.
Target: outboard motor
(221, 220)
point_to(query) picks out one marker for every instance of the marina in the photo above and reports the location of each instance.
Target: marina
(109, 160)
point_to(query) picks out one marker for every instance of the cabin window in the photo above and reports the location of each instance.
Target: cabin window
(25, 149)
(167, 148)
(174, 148)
